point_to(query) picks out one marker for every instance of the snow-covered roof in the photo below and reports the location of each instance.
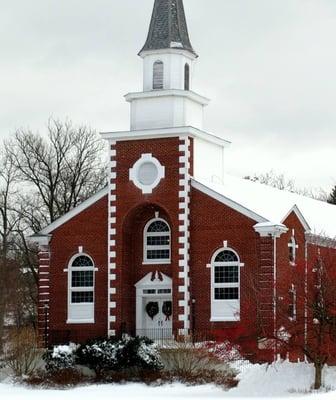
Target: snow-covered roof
(267, 204)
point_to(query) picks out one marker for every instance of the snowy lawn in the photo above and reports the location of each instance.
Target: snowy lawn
(256, 381)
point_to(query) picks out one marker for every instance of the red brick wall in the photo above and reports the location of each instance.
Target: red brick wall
(87, 229)
(211, 224)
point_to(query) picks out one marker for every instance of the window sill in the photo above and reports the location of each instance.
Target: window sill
(225, 319)
(156, 262)
(80, 321)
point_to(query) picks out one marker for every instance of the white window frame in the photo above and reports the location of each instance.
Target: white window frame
(80, 313)
(225, 310)
(158, 75)
(146, 247)
(294, 246)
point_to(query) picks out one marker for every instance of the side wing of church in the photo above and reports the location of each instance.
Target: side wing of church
(173, 245)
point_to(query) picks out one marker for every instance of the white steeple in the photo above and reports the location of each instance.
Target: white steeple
(167, 100)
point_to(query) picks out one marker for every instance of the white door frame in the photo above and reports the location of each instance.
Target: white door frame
(147, 283)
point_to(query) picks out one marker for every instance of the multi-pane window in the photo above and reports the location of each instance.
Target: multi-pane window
(157, 242)
(158, 70)
(82, 280)
(226, 276)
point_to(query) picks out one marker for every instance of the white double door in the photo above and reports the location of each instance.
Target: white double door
(157, 314)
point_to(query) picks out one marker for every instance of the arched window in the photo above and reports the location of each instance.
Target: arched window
(292, 247)
(81, 289)
(157, 242)
(158, 75)
(225, 286)
(187, 77)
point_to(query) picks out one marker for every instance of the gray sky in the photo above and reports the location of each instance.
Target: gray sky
(268, 65)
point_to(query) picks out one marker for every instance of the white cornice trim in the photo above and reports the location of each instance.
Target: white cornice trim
(71, 214)
(270, 229)
(172, 50)
(295, 209)
(183, 131)
(228, 202)
(204, 101)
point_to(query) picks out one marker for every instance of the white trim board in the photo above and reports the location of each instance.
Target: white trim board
(160, 133)
(75, 211)
(295, 209)
(225, 200)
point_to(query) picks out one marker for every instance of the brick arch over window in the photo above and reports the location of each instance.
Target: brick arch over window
(225, 285)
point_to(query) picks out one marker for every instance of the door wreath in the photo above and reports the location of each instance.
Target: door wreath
(152, 309)
(167, 309)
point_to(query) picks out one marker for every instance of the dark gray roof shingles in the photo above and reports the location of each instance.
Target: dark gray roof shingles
(168, 28)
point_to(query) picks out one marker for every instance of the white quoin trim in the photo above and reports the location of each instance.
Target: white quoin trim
(184, 231)
(112, 232)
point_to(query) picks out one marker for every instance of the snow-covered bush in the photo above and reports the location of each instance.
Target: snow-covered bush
(61, 357)
(100, 354)
(115, 355)
(141, 353)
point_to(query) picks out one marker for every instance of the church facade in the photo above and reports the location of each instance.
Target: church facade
(172, 244)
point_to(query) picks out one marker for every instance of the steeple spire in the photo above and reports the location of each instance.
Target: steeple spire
(168, 28)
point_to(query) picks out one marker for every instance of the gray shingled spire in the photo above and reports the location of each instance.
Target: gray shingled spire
(168, 28)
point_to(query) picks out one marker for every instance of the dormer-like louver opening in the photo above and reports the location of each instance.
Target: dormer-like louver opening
(158, 70)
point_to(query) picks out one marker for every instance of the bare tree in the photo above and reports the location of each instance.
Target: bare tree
(8, 223)
(279, 181)
(60, 170)
(41, 178)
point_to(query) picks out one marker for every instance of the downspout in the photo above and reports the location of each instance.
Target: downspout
(306, 297)
(275, 295)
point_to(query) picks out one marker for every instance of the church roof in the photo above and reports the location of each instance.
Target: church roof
(168, 28)
(267, 204)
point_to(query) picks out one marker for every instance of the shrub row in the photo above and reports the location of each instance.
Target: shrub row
(105, 355)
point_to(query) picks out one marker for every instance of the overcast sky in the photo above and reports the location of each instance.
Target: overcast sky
(268, 65)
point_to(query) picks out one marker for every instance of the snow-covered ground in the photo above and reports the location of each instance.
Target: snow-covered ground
(256, 382)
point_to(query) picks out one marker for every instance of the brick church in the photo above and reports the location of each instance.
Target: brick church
(169, 245)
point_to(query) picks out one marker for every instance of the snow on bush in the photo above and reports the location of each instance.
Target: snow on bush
(61, 357)
(225, 351)
(115, 355)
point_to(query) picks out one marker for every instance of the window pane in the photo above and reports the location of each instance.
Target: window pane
(164, 291)
(82, 261)
(158, 240)
(226, 256)
(158, 226)
(158, 254)
(226, 274)
(82, 279)
(149, 291)
(226, 294)
(82, 297)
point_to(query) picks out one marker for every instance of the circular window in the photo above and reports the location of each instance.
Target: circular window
(148, 173)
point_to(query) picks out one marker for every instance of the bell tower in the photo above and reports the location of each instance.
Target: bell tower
(168, 57)
(150, 169)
